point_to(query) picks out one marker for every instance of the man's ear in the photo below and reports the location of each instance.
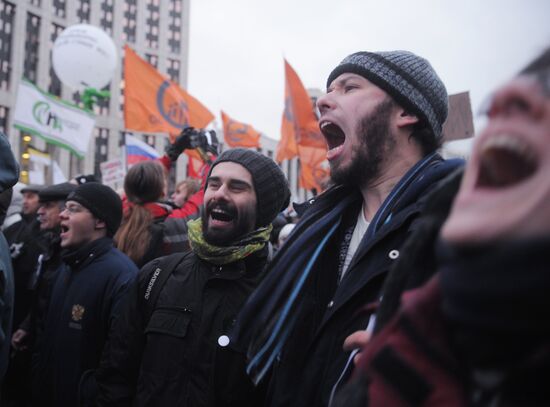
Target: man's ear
(99, 224)
(406, 118)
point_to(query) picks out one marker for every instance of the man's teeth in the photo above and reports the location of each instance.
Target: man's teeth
(325, 124)
(510, 143)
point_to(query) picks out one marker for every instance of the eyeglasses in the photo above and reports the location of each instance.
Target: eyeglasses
(75, 208)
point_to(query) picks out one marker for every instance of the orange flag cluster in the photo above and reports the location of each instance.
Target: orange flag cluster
(300, 134)
(155, 104)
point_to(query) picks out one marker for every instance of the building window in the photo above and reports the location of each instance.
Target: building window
(174, 28)
(149, 139)
(4, 114)
(106, 20)
(55, 84)
(129, 21)
(152, 59)
(121, 90)
(32, 43)
(153, 23)
(59, 8)
(174, 69)
(83, 11)
(7, 13)
(101, 149)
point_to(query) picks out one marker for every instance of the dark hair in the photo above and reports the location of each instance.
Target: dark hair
(424, 137)
(144, 183)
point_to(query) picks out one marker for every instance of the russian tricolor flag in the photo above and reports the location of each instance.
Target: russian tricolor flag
(137, 150)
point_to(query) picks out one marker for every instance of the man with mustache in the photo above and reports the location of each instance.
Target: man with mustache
(174, 351)
(477, 334)
(382, 119)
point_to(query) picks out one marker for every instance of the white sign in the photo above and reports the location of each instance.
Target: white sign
(54, 120)
(113, 173)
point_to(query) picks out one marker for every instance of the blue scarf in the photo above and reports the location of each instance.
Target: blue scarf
(269, 316)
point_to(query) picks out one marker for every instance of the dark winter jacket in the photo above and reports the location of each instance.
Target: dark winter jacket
(88, 289)
(42, 282)
(462, 340)
(9, 173)
(26, 243)
(174, 358)
(311, 359)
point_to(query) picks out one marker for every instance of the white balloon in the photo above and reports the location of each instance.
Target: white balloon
(84, 56)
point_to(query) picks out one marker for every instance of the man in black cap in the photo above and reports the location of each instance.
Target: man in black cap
(172, 345)
(382, 119)
(89, 286)
(52, 202)
(27, 242)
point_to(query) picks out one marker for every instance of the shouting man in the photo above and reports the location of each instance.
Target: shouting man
(382, 119)
(171, 346)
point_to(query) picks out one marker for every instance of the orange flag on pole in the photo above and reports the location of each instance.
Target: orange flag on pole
(153, 103)
(237, 134)
(299, 125)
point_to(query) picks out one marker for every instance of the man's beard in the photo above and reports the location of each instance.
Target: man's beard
(376, 144)
(243, 223)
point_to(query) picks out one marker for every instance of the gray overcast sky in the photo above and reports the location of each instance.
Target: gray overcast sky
(237, 47)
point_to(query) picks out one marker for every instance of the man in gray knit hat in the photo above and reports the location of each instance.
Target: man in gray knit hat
(382, 119)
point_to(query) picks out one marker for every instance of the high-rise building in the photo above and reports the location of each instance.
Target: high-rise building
(157, 29)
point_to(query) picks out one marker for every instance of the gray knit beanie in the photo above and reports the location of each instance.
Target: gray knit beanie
(408, 78)
(270, 183)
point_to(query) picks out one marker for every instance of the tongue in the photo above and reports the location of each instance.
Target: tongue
(334, 152)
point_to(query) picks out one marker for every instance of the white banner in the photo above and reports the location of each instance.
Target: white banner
(113, 173)
(55, 120)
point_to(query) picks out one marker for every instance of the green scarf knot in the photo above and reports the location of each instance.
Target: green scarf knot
(238, 250)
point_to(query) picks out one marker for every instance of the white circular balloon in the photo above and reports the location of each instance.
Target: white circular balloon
(84, 56)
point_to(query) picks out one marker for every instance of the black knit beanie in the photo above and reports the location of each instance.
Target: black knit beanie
(270, 183)
(409, 79)
(102, 201)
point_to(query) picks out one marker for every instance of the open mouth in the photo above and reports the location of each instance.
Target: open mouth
(505, 161)
(222, 215)
(333, 134)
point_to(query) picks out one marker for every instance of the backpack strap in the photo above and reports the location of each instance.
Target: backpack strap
(163, 270)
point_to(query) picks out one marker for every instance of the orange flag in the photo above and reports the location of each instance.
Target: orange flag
(195, 165)
(314, 170)
(153, 103)
(237, 134)
(299, 125)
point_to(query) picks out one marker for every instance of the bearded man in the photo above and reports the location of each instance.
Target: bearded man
(171, 348)
(476, 333)
(382, 119)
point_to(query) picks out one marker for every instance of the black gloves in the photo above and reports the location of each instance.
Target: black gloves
(189, 138)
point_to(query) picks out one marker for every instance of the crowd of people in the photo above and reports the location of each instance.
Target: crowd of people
(411, 280)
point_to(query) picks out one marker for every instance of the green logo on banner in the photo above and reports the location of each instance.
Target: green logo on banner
(42, 114)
